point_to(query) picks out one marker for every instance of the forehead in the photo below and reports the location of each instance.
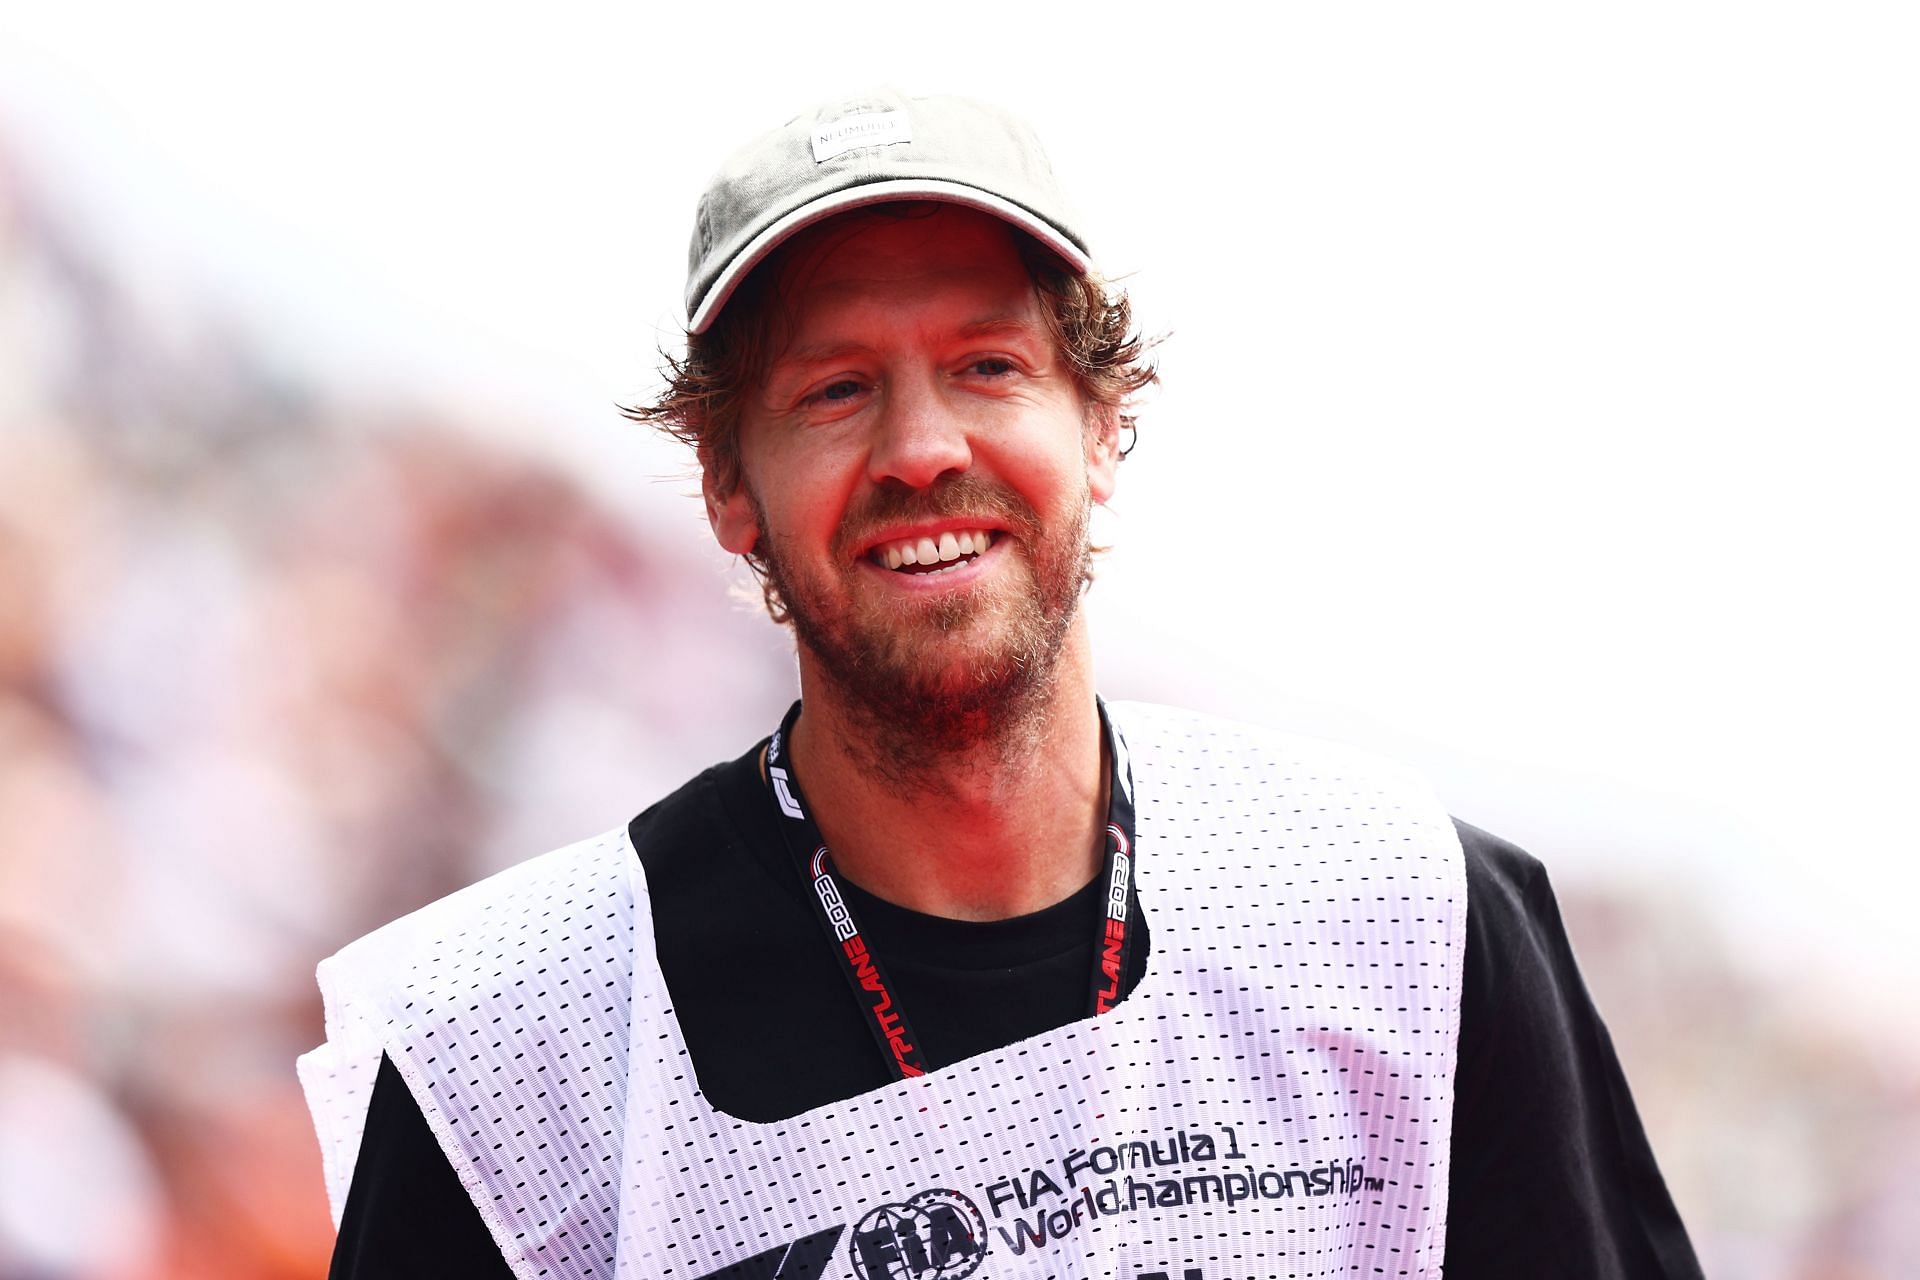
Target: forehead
(926, 258)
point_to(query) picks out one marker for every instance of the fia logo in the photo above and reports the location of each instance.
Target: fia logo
(937, 1235)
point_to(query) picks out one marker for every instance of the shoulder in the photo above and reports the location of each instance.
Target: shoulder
(1522, 987)
(378, 991)
(1503, 879)
(1513, 920)
(574, 884)
(575, 873)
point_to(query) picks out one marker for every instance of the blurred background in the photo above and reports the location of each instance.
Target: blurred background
(1539, 409)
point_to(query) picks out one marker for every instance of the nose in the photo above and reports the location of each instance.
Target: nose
(918, 435)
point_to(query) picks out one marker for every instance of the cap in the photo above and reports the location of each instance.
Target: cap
(876, 148)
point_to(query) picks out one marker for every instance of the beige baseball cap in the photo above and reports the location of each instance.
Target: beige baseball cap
(875, 148)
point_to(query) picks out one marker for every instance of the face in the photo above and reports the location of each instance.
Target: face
(918, 465)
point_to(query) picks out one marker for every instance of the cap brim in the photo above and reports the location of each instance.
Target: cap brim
(871, 193)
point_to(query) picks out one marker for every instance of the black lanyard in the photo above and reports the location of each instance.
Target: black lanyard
(885, 1016)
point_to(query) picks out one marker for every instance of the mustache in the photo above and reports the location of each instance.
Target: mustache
(959, 495)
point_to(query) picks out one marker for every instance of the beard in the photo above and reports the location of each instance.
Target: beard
(927, 680)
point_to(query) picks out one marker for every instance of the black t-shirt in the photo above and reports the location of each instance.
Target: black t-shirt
(1551, 1172)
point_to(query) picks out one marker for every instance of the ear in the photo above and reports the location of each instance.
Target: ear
(1103, 452)
(730, 514)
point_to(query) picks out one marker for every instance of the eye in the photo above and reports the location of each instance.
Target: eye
(837, 392)
(991, 367)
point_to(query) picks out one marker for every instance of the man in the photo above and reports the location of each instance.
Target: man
(962, 971)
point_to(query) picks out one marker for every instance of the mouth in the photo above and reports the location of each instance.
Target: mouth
(932, 554)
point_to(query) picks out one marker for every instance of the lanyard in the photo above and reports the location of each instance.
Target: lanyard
(884, 1015)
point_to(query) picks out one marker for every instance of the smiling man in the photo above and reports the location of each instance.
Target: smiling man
(962, 970)
(915, 475)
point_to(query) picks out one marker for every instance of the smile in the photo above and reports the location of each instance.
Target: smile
(929, 554)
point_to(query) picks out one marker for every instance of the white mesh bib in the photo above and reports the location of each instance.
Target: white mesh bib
(1274, 1098)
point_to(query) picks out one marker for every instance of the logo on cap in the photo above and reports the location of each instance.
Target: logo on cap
(867, 129)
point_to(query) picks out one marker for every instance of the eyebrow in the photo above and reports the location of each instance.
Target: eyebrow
(826, 352)
(1014, 324)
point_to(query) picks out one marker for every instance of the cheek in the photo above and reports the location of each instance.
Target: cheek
(798, 483)
(1053, 459)
(802, 513)
(1049, 478)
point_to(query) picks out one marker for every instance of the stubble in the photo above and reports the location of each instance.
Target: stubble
(966, 677)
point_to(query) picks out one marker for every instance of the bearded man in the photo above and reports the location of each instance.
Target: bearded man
(962, 970)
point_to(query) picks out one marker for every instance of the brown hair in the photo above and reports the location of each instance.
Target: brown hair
(1091, 322)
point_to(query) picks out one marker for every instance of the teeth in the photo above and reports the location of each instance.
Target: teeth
(948, 547)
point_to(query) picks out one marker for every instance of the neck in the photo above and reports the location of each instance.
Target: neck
(1005, 819)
